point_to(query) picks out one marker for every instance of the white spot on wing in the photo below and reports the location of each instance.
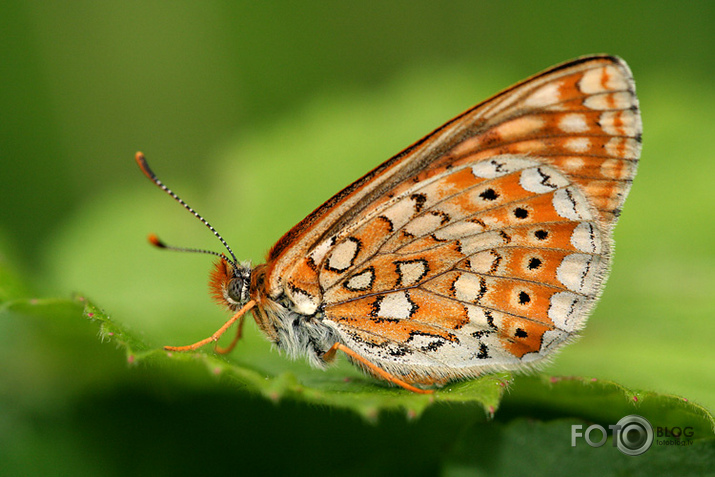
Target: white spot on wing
(573, 163)
(586, 238)
(467, 287)
(343, 255)
(500, 166)
(362, 281)
(395, 305)
(573, 123)
(477, 318)
(400, 213)
(482, 262)
(544, 96)
(423, 225)
(458, 230)
(541, 180)
(565, 309)
(426, 343)
(483, 241)
(519, 127)
(411, 272)
(578, 144)
(570, 204)
(578, 272)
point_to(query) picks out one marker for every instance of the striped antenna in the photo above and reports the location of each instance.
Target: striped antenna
(154, 240)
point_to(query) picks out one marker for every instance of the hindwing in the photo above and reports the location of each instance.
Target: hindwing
(484, 245)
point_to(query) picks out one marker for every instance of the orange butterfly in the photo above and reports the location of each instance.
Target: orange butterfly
(481, 247)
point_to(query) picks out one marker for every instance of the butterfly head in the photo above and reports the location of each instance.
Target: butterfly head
(230, 283)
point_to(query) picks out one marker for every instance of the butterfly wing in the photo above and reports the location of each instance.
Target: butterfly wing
(484, 245)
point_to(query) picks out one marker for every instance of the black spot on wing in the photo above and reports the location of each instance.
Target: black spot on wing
(489, 194)
(521, 213)
(534, 263)
(420, 200)
(524, 298)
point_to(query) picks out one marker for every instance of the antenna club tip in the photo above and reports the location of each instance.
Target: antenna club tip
(154, 240)
(143, 165)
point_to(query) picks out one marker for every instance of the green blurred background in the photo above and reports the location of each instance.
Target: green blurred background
(257, 112)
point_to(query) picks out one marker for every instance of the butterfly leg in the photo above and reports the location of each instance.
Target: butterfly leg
(330, 354)
(236, 338)
(214, 337)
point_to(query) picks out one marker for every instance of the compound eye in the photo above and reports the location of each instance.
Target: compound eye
(236, 289)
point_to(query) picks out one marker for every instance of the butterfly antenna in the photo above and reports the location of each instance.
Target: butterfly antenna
(154, 240)
(157, 242)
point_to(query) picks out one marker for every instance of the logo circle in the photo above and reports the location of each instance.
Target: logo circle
(635, 436)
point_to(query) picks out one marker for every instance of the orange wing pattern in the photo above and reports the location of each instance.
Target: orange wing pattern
(484, 245)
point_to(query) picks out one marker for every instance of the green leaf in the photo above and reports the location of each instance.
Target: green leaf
(531, 447)
(603, 402)
(343, 387)
(541, 396)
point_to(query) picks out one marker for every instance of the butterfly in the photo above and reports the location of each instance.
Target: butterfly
(482, 247)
